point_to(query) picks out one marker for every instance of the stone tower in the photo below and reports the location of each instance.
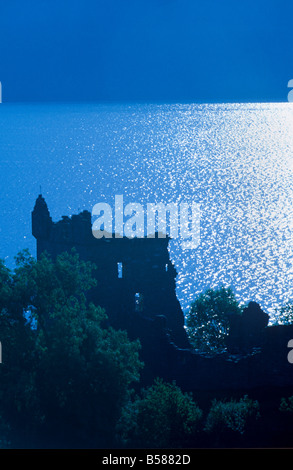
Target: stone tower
(135, 277)
(41, 222)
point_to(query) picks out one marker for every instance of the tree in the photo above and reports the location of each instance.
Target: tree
(65, 375)
(161, 417)
(208, 318)
(285, 314)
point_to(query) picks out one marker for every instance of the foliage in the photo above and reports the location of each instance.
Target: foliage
(285, 314)
(207, 321)
(231, 415)
(162, 417)
(65, 375)
(287, 404)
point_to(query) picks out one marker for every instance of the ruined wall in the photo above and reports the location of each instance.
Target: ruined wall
(145, 263)
(256, 355)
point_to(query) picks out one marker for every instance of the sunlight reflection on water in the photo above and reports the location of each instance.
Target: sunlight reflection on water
(235, 160)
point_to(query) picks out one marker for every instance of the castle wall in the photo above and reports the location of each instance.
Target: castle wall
(146, 269)
(256, 356)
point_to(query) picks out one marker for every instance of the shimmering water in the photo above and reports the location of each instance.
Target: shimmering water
(236, 160)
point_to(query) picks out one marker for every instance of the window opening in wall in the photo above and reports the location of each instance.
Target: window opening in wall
(120, 270)
(138, 302)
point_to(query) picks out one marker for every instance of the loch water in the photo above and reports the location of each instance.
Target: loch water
(234, 160)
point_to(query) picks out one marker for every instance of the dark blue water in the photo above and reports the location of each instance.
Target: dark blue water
(235, 160)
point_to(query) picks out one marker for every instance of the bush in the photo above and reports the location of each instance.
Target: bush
(286, 404)
(162, 417)
(231, 415)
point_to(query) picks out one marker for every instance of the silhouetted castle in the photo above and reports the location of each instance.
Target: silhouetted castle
(136, 286)
(134, 276)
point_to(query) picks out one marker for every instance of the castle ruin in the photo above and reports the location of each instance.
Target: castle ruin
(136, 286)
